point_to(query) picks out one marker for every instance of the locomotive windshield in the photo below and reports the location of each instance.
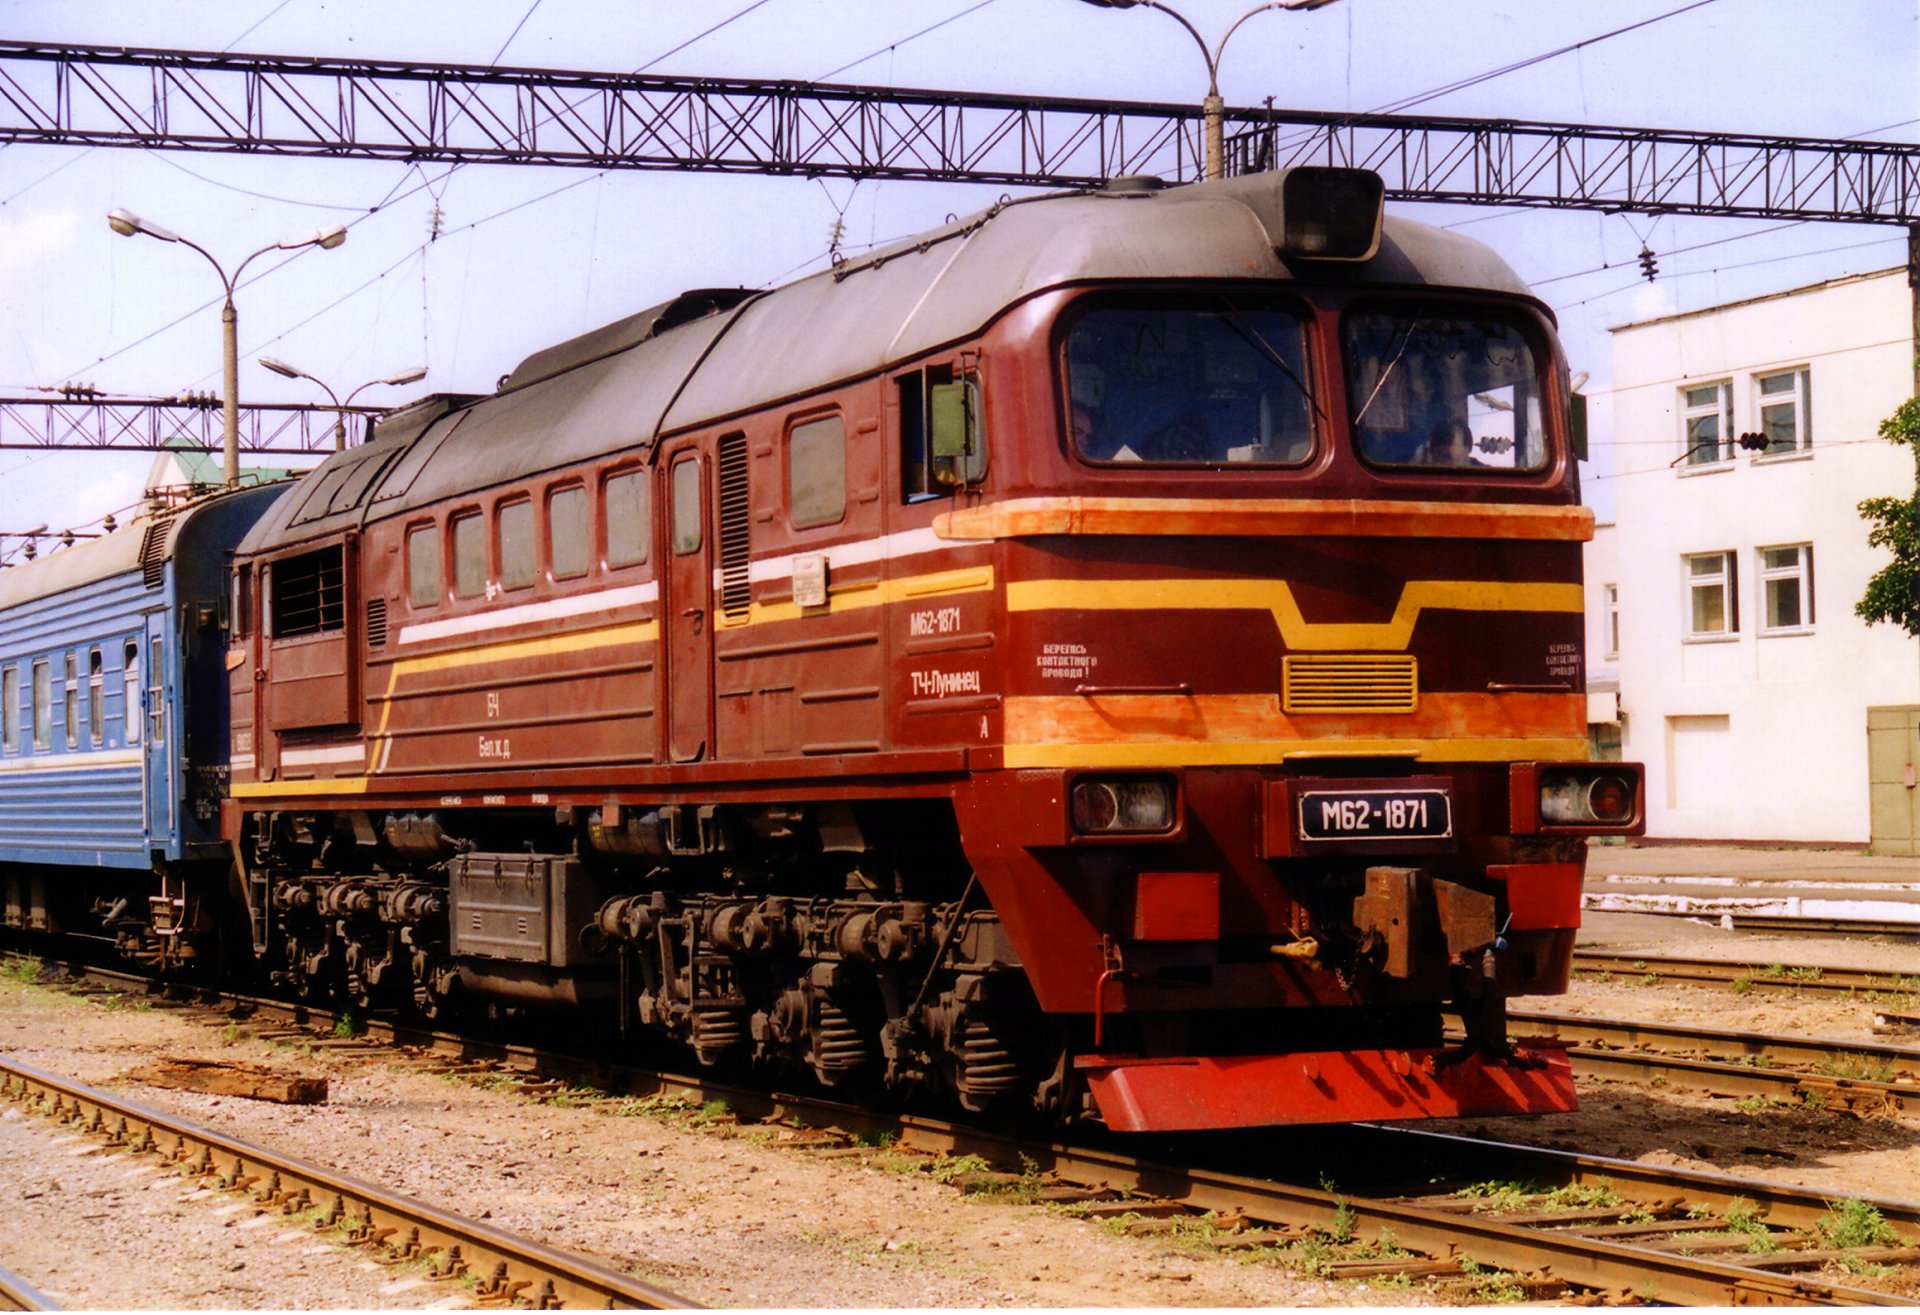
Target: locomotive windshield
(1210, 384)
(1454, 390)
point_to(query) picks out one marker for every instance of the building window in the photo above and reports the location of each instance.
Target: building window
(96, 697)
(569, 532)
(627, 524)
(1786, 587)
(1786, 410)
(423, 565)
(469, 556)
(10, 710)
(130, 680)
(42, 704)
(1610, 619)
(1706, 432)
(519, 560)
(1713, 609)
(817, 472)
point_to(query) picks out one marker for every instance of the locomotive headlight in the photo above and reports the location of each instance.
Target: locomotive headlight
(1121, 805)
(1576, 797)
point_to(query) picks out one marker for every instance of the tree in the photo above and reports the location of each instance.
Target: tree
(1895, 524)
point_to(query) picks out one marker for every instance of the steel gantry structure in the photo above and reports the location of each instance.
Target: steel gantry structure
(165, 424)
(428, 112)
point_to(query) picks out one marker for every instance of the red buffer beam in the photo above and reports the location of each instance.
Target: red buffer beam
(362, 109)
(156, 426)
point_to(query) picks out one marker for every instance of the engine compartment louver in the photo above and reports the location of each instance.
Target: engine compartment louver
(1349, 683)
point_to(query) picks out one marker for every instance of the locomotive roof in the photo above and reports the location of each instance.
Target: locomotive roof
(712, 354)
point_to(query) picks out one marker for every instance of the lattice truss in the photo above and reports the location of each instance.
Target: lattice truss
(410, 111)
(154, 426)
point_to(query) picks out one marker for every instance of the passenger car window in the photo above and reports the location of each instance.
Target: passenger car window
(519, 563)
(96, 686)
(1210, 384)
(628, 526)
(469, 555)
(10, 709)
(1446, 388)
(42, 704)
(130, 683)
(569, 541)
(423, 566)
(817, 472)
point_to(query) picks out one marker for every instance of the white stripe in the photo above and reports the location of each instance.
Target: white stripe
(339, 753)
(241, 762)
(886, 548)
(73, 762)
(604, 600)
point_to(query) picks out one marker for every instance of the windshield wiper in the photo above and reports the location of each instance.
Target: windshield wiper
(1246, 330)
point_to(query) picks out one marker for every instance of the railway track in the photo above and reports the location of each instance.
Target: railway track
(1744, 976)
(1542, 1223)
(498, 1267)
(1808, 1072)
(18, 1294)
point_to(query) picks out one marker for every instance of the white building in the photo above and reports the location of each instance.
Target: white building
(1745, 681)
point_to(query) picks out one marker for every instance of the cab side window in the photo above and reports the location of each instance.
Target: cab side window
(817, 472)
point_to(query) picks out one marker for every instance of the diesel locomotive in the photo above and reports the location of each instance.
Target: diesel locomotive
(1116, 655)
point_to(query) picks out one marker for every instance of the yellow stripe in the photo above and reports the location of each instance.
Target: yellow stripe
(1276, 597)
(280, 789)
(881, 593)
(579, 641)
(1257, 753)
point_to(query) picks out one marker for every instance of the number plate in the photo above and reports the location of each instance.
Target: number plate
(1409, 814)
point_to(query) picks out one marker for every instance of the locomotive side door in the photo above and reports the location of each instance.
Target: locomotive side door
(688, 642)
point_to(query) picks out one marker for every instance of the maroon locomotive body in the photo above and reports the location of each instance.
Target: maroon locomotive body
(1120, 653)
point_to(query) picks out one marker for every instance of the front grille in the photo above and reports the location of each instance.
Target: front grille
(1348, 682)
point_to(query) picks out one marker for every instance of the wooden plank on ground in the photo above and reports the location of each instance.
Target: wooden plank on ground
(232, 1078)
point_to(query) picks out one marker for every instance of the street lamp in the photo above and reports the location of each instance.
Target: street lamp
(285, 371)
(127, 224)
(1213, 108)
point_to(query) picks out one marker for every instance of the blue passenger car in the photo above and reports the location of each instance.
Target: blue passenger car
(114, 728)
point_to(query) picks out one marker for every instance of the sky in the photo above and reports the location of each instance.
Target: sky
(467, 271)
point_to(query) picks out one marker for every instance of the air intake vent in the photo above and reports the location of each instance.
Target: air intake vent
(153, 554)
(1348, 683)
(736, 591)
(376, 623)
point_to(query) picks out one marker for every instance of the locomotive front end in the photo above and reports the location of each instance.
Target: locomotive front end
(1294, 792)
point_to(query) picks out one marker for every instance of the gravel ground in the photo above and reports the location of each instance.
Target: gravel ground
(744, 1220)
(97, 1231)
(728, 1221)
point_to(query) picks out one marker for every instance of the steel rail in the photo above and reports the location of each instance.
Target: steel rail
(1598, 1263)
(1757, 976)
(18, 1294)
(506, 1266)
(1745, 1048)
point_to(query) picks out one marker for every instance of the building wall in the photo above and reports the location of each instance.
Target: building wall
(1757, 733)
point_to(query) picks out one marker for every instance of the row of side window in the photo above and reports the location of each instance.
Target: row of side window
(506, 553)
(40, 718)
(502, 551)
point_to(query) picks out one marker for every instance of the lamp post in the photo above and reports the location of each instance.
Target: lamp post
(127, 224)
(281, 368)
(1212, 108)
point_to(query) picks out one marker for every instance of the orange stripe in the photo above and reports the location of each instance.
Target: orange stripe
(1224, 718)
(1265, 517)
